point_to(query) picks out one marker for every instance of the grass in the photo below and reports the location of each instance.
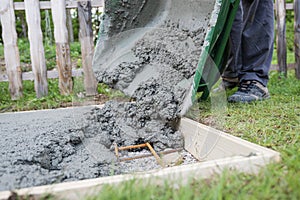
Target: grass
(54, 99)
(229, 185)
(29, 101)
(274, 123)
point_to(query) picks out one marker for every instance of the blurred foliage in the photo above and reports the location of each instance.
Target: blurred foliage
(290, 28)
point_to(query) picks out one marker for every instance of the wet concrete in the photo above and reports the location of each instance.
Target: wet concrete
(52, 146)
(153, 65)
(46, 147)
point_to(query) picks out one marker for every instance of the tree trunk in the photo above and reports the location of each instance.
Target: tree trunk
(87, 46)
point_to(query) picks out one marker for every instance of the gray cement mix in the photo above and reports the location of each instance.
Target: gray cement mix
(45, 147)
(153, 65)
(50, 146)
(152, 59)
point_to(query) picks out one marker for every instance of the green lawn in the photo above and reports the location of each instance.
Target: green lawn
(274, 123)
(29, 100)
(54, 99)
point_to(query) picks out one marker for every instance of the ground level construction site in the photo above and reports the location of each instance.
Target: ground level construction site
(159, 53)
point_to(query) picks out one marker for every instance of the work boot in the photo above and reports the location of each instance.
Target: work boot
(249, 91)
(227, 84)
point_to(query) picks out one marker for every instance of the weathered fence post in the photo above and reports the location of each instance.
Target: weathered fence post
(297, 36)
(63, 58)
(37, 53)
(281, 36)
(87, 46)
(11, 51)
(70, 25)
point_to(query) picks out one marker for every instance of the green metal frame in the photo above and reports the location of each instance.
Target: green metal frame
(215, 49)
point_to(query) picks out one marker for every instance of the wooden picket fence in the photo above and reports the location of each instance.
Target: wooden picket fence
(39, 73)
(32, 10)
(280, 10)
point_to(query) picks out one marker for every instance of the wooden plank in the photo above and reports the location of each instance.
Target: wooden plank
(87, 46)
(240, 160)
(289, 66)
(290, 6)
(206, 143)
(281, 36)
(47, 4)
(179, 175)
(297, 37)
(37, 53)
(63, 58)
(50, 75)
(11, 51)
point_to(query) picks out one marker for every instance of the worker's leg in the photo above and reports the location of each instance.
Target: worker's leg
(257, 41)
(231, 70)
(257, 49)
(230, 74)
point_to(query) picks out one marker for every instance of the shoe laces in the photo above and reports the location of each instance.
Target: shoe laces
(246, 86)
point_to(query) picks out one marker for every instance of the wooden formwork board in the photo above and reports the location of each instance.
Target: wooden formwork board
(215, 149)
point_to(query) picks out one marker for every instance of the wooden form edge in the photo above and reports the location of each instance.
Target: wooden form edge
(184, 173)
(178, 174)
(260, 150)
(46, 110)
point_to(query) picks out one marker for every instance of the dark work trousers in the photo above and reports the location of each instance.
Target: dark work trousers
(252, 38)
